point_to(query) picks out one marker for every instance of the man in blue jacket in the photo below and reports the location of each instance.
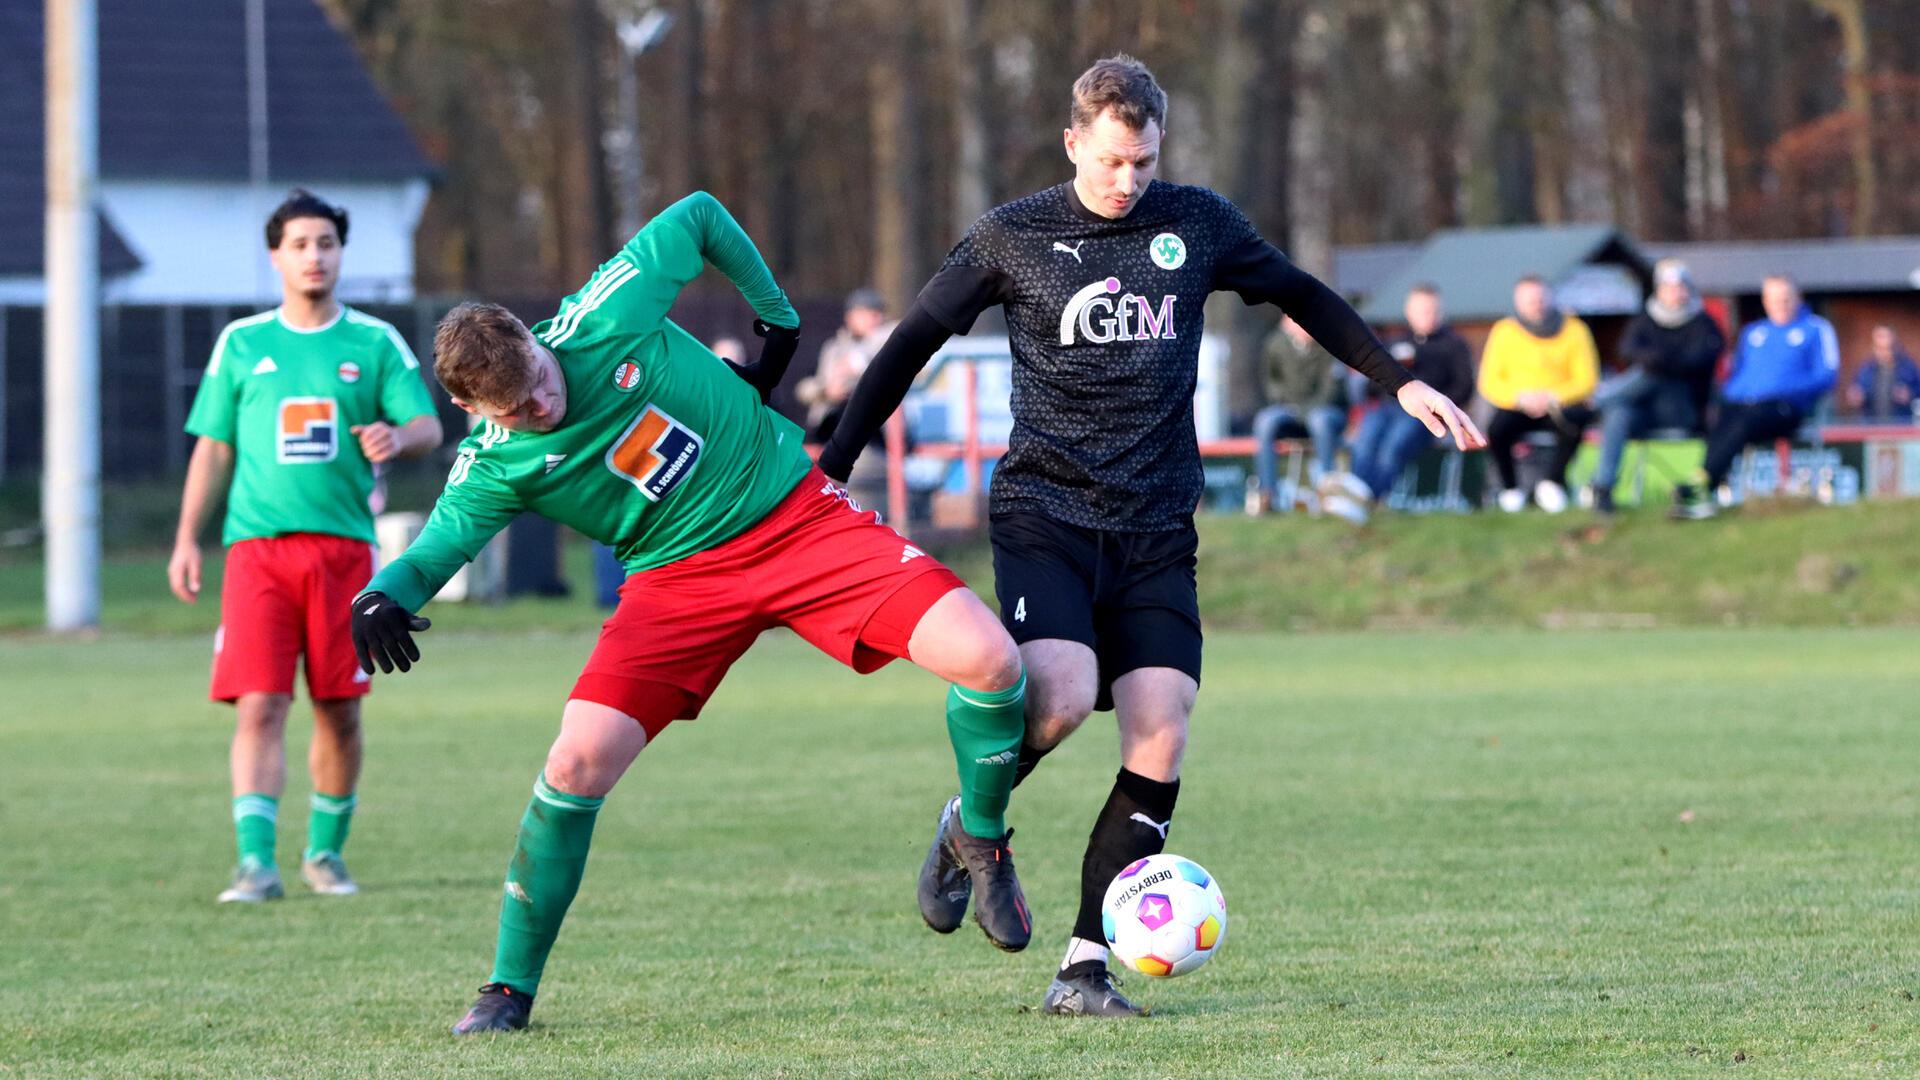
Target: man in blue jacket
(1888, 383)
(1782, 366)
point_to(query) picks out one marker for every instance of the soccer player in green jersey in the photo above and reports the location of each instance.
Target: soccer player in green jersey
(296, 406)
(610, 419)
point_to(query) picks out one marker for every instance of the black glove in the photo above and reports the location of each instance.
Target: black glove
(765, 373)
(383, 631)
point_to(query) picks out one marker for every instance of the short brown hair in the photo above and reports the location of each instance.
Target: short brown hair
(480, 354)
(1122, 84)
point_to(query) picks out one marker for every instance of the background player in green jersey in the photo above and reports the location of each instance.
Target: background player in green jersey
(610, 419)
(296, 406)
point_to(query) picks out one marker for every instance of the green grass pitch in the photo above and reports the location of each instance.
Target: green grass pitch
(1451, 854)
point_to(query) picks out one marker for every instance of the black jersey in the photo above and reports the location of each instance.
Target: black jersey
(1105, 318)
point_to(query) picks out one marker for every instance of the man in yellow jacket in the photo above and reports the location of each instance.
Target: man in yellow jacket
(1538, 372)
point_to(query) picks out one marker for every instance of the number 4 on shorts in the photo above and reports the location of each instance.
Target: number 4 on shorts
(1020, 610)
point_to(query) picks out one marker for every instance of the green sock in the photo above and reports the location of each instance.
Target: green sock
(548, 860)
(253, 821)
(327, 823)
(986, 729)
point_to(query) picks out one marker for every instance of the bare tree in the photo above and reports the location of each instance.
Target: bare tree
(1310, 179)
(967, 65)
(1852, 17)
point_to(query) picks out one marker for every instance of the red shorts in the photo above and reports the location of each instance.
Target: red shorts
(851, 586)
(284, 597)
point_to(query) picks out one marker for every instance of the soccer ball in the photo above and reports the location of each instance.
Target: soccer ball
(1164, 916)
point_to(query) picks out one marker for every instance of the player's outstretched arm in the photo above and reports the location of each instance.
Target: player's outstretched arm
(882, 387)
(475, 505)
(1260, 273)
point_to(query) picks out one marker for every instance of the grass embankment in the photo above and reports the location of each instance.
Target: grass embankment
(1769, 564)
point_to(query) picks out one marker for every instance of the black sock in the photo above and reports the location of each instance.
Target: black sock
(1030, 756)
(1133, 825)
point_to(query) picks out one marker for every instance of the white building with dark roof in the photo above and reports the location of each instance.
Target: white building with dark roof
(182, 216)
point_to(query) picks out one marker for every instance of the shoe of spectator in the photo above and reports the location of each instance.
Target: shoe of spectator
(1345, 507)
(1602, 501)
(1691, 504)
(1512, 500)
(1550, 497)
(1350, 485)
(1259, 501)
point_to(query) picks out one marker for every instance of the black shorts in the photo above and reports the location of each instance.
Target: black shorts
(1127, 596)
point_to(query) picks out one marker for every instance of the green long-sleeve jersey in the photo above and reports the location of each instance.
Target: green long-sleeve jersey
(663, 451)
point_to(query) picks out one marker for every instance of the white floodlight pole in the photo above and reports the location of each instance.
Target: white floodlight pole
(70, 480)
(637, 34)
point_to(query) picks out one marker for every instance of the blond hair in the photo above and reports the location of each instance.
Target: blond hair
(481, 354)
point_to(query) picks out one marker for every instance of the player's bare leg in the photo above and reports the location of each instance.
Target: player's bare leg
(257, 760)
(333, 760)
(961, 640)
(1063, 679)
(258, 757)
(1153, 706)
(596, 745)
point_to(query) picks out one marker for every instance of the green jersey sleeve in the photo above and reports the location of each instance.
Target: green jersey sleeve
(403, 391)
(216, 405)
(631, 292)
(726, 245)
(476, 503)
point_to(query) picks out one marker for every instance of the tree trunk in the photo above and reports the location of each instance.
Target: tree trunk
(897, 197)
(1866, 175)
(967, 62)
(683, 165)
(1441, 134)
(1712, 222)
(587, 33)
(1486, 60)
(1310, 180)
(1236, 75)
(1586, 187)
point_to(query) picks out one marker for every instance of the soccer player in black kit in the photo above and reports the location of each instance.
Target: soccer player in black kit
(1103, 279)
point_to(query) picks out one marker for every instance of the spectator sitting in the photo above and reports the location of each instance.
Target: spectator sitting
(1888, 383)
(842, 359)
(1308, 396)
(1670, 350)
(1782, 366)
(1537, 371)
(1388, 439)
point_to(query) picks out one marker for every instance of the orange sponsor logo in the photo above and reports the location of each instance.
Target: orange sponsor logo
(656, 453)
(308, 431)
